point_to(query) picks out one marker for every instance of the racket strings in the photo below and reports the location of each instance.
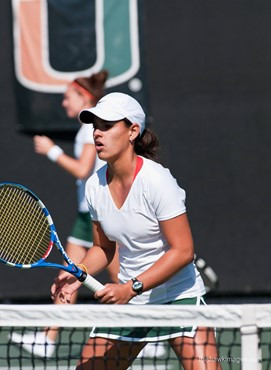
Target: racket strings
(12, 233)
(25, 232)
(34, 238)
(37, 230)
(11, 206)
(15, 234)
(9, 233)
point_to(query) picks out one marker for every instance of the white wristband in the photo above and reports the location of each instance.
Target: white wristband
(54, 153)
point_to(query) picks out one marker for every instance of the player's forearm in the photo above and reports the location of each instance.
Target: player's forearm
(167, 266)
(97, 259)
(73, 166)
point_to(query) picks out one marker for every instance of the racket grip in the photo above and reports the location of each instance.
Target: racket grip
(92, 284)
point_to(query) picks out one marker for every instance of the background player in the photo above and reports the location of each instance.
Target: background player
(83, 92)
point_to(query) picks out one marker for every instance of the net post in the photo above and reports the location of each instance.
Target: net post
(250, 353)
(250, 348)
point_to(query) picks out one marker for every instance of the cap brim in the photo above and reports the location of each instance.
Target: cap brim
(87, 115)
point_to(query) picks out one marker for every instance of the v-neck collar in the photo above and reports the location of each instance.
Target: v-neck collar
(139, 164)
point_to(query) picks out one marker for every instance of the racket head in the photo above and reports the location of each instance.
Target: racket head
(26, 227)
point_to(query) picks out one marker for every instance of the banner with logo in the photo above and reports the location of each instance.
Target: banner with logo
(56, 41)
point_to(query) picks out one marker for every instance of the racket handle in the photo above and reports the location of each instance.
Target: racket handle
(92, 284)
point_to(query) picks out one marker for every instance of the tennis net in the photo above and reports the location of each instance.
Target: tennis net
(243, 334)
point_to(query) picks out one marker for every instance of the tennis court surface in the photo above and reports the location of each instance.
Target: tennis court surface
(243, 332)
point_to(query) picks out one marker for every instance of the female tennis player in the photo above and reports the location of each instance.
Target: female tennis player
(137, 204)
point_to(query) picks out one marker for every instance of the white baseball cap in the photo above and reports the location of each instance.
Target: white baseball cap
(115, 107)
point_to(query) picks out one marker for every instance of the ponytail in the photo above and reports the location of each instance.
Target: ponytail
(147, 145)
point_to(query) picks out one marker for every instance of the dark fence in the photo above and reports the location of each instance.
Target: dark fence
(209, 93)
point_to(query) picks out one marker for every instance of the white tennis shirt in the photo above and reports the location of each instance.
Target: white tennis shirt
(154, 196)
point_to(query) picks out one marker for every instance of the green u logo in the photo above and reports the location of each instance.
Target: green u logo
(117, 44)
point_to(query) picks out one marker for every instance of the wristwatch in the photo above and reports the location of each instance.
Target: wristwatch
(137, 286)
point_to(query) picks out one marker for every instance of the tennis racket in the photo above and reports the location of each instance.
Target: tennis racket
(28, 234)
(209, 277)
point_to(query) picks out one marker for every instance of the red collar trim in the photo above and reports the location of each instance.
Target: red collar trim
(139, 164)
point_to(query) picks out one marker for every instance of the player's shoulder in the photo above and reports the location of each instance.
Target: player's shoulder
(155, 171)
(158, 179)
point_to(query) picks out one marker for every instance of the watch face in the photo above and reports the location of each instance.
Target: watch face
(137, 286)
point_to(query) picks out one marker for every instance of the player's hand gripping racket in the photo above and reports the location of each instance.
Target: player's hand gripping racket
(28, 234)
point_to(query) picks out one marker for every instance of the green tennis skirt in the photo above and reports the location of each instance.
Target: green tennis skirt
(82, 230)
(149, 334)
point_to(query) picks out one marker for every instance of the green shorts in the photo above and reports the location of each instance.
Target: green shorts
(82, 230)
(150, 334)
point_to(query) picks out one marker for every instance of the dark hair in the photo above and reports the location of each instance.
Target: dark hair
(146, 144)
(94, 83)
